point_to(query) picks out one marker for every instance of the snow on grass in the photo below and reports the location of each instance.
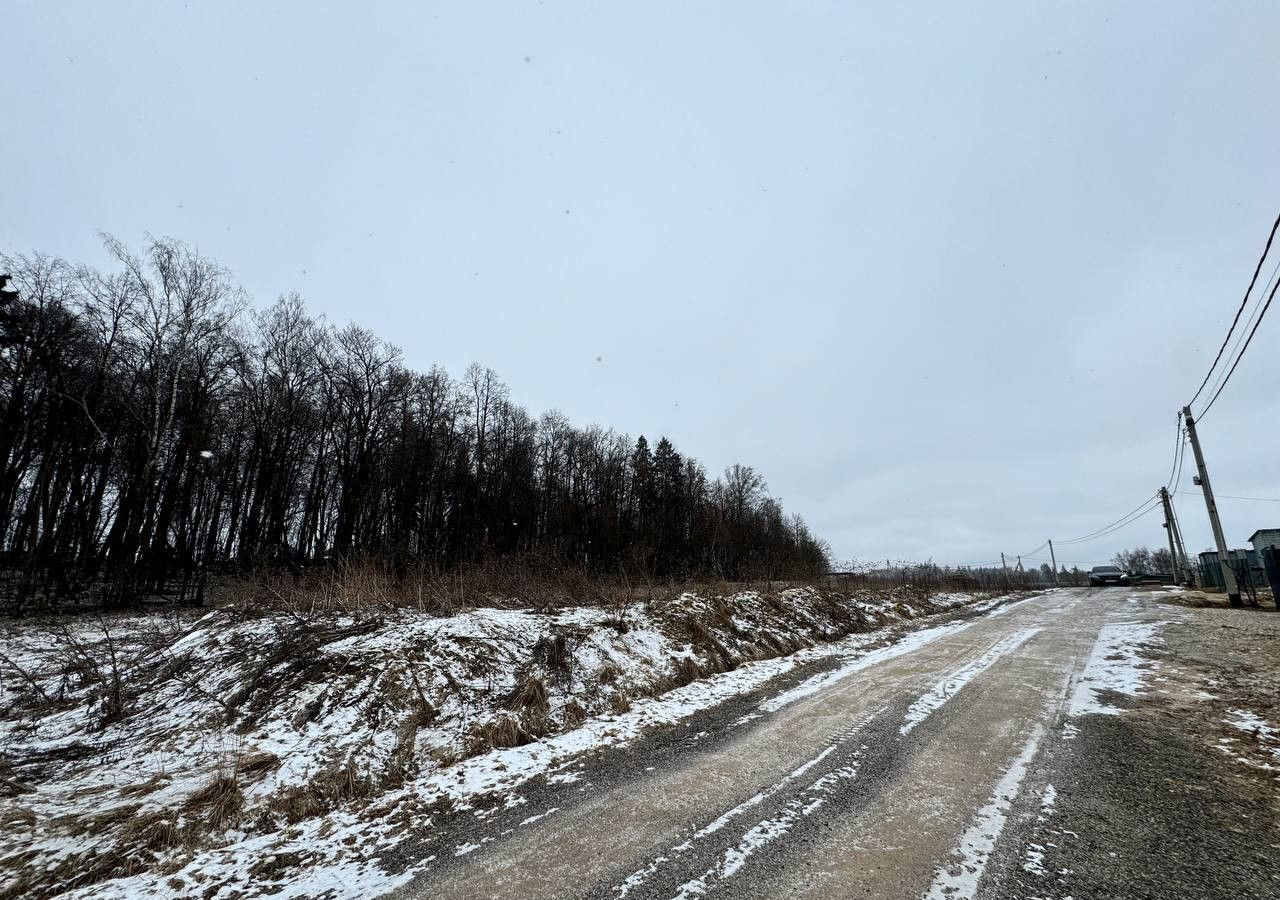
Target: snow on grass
(944, 690)
(959, 881)
(1114, 665)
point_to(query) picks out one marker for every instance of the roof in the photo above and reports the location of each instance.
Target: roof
(1260, 531)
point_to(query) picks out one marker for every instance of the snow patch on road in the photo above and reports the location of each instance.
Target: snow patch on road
(1048, 801)
(1252, 723)
(944, 690)
(960, 881)
(1114, 665)
(908, 644)
(1265, 735)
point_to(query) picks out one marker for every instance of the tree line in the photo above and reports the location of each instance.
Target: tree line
(156, 426)
(1144, 561)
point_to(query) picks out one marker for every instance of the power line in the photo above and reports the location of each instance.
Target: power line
(1240, 356)
(1243, 303)
(1182, 457)
(1141, 510)
(1177, 448)
(1230, 497)
(1074, 562)
(1240, 334)
(1037, 550)
(1119, 527)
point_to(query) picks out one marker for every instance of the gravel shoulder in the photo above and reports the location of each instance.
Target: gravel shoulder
(1173, 798)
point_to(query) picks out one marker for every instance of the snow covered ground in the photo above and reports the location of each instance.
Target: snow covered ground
(233, 755)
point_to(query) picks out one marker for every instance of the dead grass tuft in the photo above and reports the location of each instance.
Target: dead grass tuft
(220, 800)
(111, 818)
(505, 730)
(142, 788)
(609, 673)
(619, 703)
(257, 763)
(331, 788)
(529, 695)
(154, 831)
(573, 714)
(14, 816)
(553, 653)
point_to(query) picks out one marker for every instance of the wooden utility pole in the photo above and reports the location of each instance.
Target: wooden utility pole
(1224, 555)
(1054, 560)
(1004, 565)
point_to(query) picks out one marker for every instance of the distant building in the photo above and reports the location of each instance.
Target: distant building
(1265, 537)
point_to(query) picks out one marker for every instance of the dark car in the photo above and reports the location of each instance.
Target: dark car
(1103, 575)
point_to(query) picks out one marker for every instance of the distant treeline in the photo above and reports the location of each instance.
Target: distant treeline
(155, 427)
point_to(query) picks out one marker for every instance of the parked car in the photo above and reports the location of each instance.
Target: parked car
(1103, 575)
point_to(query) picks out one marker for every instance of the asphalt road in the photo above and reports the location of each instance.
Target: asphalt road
(944, 766)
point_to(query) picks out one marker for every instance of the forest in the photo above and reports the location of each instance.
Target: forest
(160, 431)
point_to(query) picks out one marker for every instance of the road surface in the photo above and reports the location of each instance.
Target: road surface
(965, 760)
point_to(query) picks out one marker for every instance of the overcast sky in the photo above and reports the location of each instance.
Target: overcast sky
(943, 278)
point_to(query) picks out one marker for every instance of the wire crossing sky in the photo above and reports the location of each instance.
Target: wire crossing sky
(942, 277)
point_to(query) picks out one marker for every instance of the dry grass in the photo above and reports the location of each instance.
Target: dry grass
(335, 786)
(573, 714)
(257, 763)
(111, 818)
(154, 831)
(220, 801)
(142, 788)
(619, 703)
(529, 695)
(555, 655)
(13, 816)
(541, 583)
(609, 673)
(505, 730)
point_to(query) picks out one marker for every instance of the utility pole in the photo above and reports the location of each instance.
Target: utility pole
(1187, 571)
(1174, 562)
(1224, 557)
(1004, 565)
(1054, 560)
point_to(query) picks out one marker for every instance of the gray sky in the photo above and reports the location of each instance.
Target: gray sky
(944, 278)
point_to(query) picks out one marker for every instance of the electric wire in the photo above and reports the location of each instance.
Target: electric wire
(1139, 511)
(1235, 348)
(1243, 303)
(1037, 550)
(1234, 497)
(1155, 505)
(1240, 355)
(1177, 449)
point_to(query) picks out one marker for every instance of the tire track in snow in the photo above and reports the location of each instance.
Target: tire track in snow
(944, 690)
(763, 831)
(960, 880)
(768, 830)
(908, 644)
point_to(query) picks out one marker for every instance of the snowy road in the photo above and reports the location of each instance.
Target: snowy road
(1013, 754)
